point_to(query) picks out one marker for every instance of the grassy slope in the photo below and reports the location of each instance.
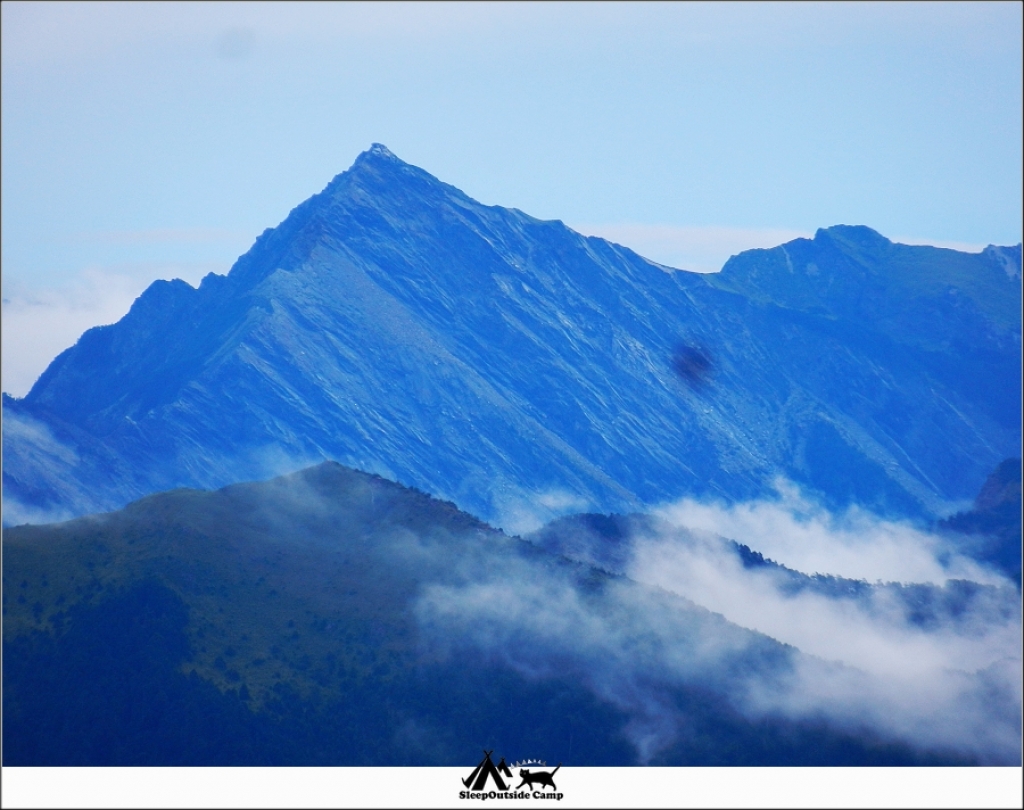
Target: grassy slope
(293, 594)
(273, 624)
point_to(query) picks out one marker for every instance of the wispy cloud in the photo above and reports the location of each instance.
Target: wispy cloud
(627, 645)
(520, 512)
(871, 632)
(15, 513)
(38, 324)
(868, 662)
(797, 532)
(924, 682)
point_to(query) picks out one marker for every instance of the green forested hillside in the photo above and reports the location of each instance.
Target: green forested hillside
(332, 617)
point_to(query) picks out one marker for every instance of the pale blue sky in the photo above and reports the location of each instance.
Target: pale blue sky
(157, 140)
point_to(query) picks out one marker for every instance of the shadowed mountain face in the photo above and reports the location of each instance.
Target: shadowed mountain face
(331, 617)
(991, 531)
(520, 369)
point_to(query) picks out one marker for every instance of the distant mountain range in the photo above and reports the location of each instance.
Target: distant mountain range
(426, 368)
(523, 371)
(331, 617)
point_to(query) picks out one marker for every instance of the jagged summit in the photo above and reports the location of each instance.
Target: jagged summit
(379, 150)
(378, 158)
(393, 324)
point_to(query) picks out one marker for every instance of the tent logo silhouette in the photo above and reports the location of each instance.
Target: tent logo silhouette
(488, 770)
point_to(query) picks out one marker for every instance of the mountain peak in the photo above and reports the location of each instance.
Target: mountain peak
(856, 234)
(377, 152)
(395, 325)
(382, 168)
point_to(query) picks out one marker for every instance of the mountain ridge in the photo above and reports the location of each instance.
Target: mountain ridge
(331, 617)
(500, 361)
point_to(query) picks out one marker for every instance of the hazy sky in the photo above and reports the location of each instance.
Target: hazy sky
(153, 140)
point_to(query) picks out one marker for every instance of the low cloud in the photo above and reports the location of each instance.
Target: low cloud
(936, 666)
(631, 647)
(921, 681)
(520, 512)
(272, 460)
(15, 513)
(801, 534)
(950, 681)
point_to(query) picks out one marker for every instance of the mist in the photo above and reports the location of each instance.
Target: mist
(925, 649)
(797, 532)
(41, 322)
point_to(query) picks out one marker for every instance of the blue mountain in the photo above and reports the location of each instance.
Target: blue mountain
(522, 370)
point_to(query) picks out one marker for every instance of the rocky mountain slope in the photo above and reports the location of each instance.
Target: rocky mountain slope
(521, 370)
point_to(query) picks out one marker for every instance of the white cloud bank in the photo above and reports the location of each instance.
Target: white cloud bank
(942, 681)
(937, 667)
(797, 532)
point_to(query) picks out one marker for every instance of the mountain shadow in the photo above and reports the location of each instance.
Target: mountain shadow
(991, 530)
